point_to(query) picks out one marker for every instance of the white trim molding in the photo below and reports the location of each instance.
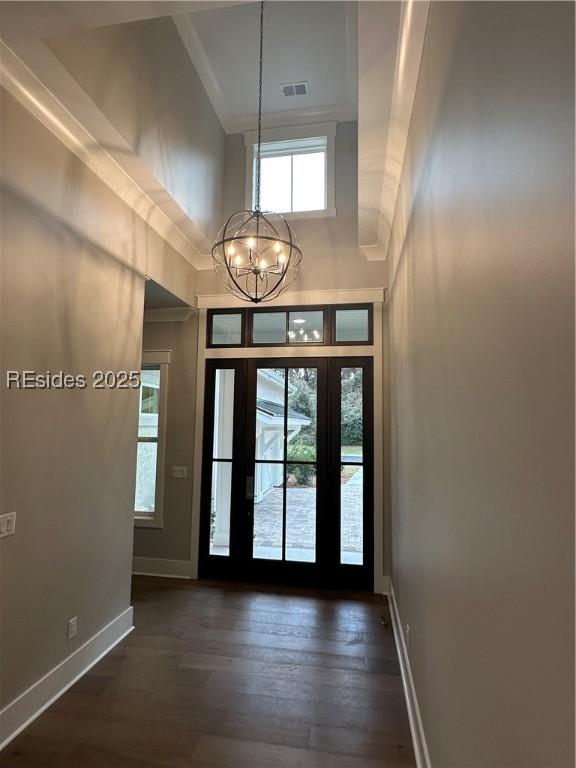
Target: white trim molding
(309, 131)
(416, 728)
(44, 692)
(389, 123)
(292, 117)
(168, 569)
(301, 298)
(34, 76)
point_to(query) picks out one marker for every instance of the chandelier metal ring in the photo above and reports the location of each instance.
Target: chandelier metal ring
(256, 255)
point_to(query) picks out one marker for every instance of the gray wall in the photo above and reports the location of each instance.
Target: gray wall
(172, 542)
(142, 79)
(482, 363)
(331, 258)
(73, 260)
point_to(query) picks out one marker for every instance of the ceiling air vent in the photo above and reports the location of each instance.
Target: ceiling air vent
(294, 89)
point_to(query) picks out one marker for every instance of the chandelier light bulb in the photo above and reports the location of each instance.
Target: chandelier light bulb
(251, 243)
(238, 260)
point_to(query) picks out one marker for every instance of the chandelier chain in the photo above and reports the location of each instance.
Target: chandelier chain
(256, 254)
(259, 150)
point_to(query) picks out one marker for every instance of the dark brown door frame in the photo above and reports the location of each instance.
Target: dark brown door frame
(327, 570)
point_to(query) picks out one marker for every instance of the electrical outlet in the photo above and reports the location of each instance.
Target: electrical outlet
(180, 472)
(407, 635)
(72, 627)
(8, 524)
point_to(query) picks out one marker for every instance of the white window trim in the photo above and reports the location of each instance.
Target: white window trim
(162, 359)
(295, 133)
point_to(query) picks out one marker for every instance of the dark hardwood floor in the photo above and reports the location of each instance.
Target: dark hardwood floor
(237, 677)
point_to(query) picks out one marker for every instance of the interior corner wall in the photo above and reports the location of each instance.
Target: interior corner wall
(73, 259)
(169, 121)
(172, 542)
(482, 385)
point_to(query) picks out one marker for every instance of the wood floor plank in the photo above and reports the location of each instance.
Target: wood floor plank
(233, 676)
(271, 655)
(297, 641)
(236, 753)
(278, 670)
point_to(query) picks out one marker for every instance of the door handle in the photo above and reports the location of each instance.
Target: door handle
(250, 488)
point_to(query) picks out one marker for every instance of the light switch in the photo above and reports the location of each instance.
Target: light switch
(7, 524)
(180, 472)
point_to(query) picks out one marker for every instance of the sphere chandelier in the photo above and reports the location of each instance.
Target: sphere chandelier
(256, 254)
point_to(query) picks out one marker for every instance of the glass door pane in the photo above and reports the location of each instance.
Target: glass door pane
(285, 464)
(352, 470)
(268, 511)
(221, 490)
(301, 513)
(270, 400)
(352, 515)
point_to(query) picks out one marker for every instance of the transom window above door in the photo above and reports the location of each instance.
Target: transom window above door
(291, 326)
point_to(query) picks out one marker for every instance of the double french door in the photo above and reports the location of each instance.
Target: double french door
(287, 471)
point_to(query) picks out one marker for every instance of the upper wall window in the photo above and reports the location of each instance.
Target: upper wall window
(296, 172)
(293, 176)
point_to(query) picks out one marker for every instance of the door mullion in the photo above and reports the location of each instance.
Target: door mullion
(285, 467)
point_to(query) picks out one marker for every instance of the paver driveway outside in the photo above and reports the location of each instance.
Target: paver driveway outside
(301, 523)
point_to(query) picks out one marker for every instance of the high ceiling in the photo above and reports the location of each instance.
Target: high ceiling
(360, 60)
(315, 42)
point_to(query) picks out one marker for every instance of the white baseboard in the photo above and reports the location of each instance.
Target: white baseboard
(416, 728)
(25, 708)
(170, 569)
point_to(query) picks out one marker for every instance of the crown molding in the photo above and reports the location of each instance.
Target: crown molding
(292, 117)
(308, 131)
(191, 40)
(393, 127)
(241, 123)
(57, 101)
